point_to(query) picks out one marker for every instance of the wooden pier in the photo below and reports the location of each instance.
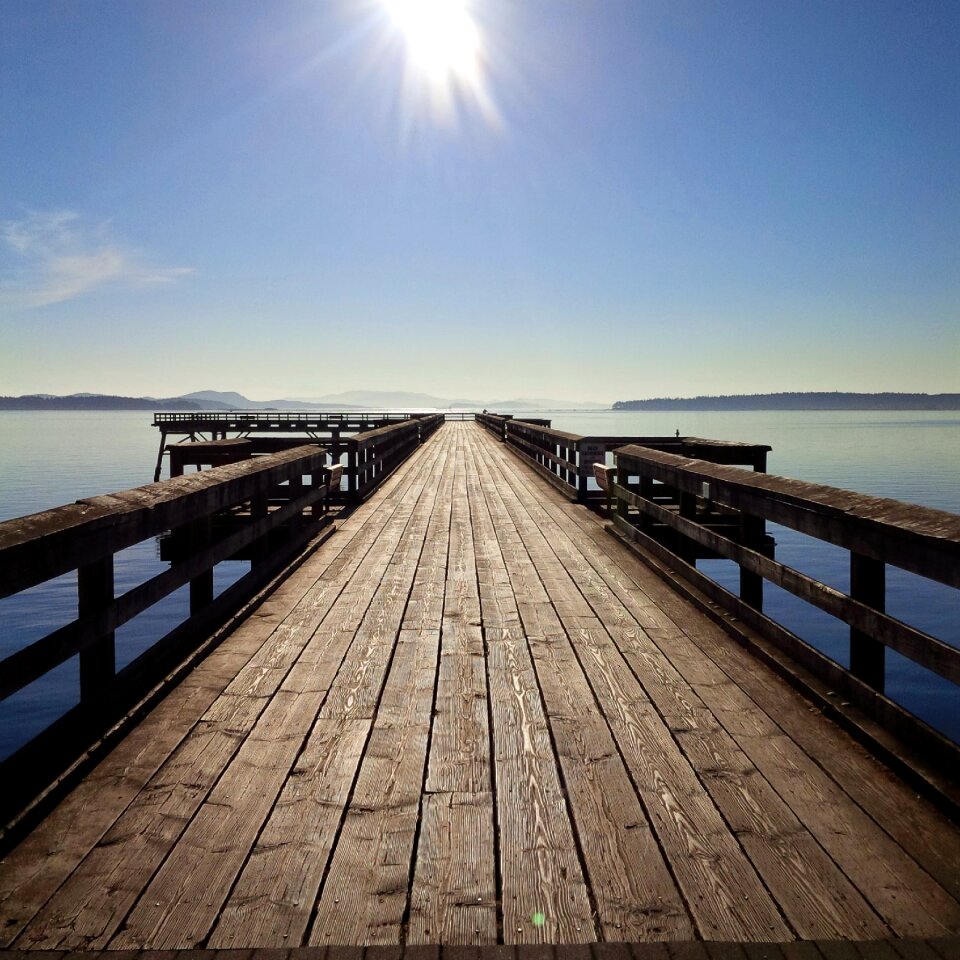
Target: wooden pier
(472, 717)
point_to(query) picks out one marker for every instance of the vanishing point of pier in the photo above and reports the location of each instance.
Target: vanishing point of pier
(460, 713)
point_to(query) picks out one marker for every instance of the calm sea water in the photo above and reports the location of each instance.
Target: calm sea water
(51, 458)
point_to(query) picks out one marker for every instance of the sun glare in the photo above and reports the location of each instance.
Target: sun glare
(442, 39)
(445, 55)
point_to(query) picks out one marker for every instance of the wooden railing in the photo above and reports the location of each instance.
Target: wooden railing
(680, 509)
(567, 460)
(553, 453)
(259, 507)
(494, 422)
(267, 431)
(373, 455)
(369, 456)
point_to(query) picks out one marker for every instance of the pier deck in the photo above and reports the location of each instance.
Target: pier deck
(472, 717)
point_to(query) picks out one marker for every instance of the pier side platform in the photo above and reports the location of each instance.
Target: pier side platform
(470, 718)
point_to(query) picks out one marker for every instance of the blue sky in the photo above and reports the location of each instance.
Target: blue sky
(629, 198)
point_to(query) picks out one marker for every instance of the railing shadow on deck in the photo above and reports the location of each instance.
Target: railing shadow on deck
(264, 509)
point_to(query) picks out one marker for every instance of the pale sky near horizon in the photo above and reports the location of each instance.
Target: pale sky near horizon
(575, 199)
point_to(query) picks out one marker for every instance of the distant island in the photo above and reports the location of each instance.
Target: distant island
(801, 401)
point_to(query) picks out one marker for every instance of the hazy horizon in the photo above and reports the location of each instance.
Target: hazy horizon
(580, 201)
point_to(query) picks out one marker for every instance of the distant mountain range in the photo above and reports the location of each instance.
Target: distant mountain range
(801, 401)
(227, 400)
(400, 400)
(394, 399)
(94, 401)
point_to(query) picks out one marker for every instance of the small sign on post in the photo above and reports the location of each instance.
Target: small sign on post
(590, 455)
(606, 477)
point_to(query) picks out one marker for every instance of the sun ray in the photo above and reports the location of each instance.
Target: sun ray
(446, 59)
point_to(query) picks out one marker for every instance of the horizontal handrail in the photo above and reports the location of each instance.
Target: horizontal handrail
(682, 508)
(567, 460)
(919, 539)
(44, 545)
(374, 454)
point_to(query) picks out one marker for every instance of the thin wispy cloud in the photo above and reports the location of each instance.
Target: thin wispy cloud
(54, 256)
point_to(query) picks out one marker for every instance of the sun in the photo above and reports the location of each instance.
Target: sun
(446, 63)
(441, 37)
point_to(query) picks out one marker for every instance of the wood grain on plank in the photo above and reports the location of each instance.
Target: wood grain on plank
(274, 896)
(31, 873)
(544, 892)
(364, 896)
(632, 888)
(454, 896)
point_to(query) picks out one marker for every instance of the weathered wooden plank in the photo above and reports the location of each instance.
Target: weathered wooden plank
(273, 897)
(35, 868)
(454, 895)
(365, 893)
(459, 759)
(96, 896)
(781, 703)
(544, 891)
(180, 907)
(364, 899)
(632, 888)
(633, 892)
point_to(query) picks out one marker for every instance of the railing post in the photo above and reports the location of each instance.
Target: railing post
(688, 510)
(98, 661)
(295, 487)
(159, 467)
(319, 507)
(353, 470)
(582, 475)
(752, 531)
(201, 586)
(623, 480)
(259, 509)
(867, 584)
(646, 492)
